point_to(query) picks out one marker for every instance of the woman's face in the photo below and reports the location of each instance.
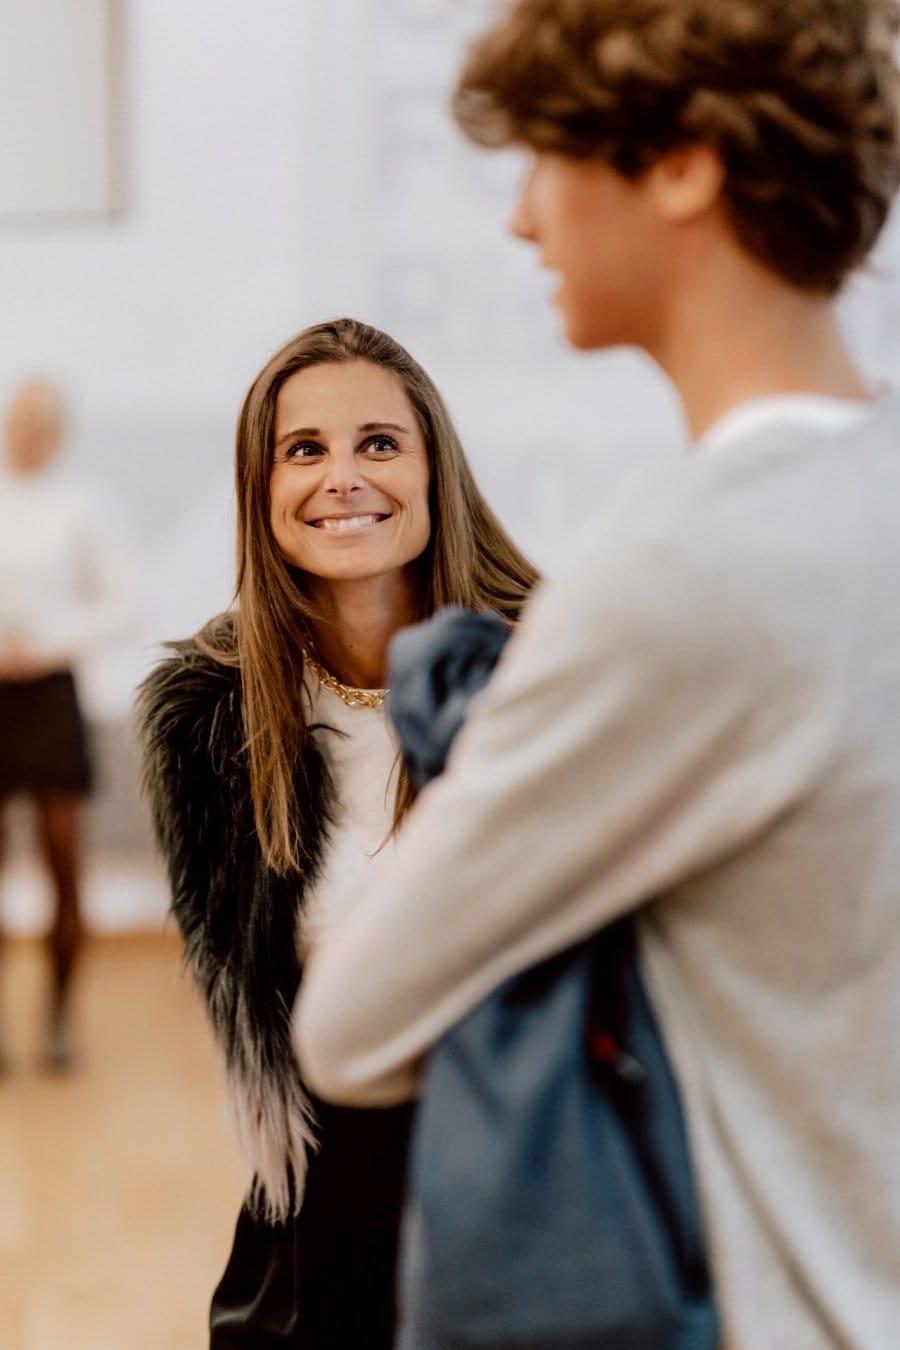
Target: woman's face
(348, 490)
(32, 430)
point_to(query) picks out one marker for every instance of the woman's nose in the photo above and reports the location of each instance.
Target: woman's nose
(342, 475)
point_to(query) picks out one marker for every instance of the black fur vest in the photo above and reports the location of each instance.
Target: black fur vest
(238, 919)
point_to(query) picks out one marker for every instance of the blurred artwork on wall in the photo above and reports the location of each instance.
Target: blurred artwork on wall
(60, 89)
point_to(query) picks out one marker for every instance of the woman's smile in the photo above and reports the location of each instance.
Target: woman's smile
(348, 524)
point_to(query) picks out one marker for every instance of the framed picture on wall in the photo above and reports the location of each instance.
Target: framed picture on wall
(61, 110)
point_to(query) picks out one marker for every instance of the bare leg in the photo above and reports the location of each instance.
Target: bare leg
(59, 821)
(3, 1061)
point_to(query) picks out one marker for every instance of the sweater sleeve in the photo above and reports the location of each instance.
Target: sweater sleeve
(649, 717)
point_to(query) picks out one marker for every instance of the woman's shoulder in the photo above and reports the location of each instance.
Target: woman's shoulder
(188, 689)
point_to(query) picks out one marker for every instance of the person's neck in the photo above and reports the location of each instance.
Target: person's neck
(742, 333)
(359, 620)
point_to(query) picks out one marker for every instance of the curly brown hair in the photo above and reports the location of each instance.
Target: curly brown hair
(799, 97)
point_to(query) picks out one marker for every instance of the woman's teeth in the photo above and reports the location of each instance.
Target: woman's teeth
(347, 522)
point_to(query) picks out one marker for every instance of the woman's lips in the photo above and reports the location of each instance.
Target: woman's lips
(344, 523)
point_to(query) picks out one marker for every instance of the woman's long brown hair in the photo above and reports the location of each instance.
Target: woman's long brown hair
(470, 560)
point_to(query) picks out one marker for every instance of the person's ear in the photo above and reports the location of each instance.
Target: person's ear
(687, 183)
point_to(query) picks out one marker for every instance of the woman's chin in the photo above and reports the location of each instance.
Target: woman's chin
(347, 571)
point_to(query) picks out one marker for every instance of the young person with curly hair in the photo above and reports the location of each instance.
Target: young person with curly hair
(275, 785)
(699, 719)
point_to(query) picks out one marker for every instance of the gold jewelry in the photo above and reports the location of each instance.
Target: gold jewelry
(354, 698)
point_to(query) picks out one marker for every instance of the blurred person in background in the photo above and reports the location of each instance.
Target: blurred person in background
(276, 786)
(67, 584)
(698, 720)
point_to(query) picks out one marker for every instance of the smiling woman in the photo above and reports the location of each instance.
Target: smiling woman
(349, 491)
(276, 789)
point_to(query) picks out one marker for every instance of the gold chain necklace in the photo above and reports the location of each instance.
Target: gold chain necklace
(354, 698)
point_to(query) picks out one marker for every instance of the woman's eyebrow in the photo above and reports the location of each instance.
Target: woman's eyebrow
(299, 431)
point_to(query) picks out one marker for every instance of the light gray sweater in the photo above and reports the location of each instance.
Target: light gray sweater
(700, 718)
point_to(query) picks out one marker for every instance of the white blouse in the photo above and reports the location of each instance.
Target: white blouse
(362, 754)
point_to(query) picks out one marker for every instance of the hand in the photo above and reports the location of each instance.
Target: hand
(16, 663)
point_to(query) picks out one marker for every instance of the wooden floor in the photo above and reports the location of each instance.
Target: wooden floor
(118, 1184)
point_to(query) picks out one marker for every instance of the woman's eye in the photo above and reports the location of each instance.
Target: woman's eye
(383, 445)
(303, 450)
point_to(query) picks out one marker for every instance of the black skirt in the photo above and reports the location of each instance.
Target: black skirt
(325, 1279)
(43, 743)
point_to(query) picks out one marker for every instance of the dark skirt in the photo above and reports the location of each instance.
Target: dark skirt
(43, 743)
(325, 1279)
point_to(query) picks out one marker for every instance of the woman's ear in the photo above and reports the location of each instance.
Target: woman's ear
(687, 183)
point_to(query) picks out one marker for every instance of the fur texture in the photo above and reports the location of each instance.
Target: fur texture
(238, 919)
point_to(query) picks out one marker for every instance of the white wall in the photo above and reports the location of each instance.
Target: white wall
(56, 90)
(169, 309)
